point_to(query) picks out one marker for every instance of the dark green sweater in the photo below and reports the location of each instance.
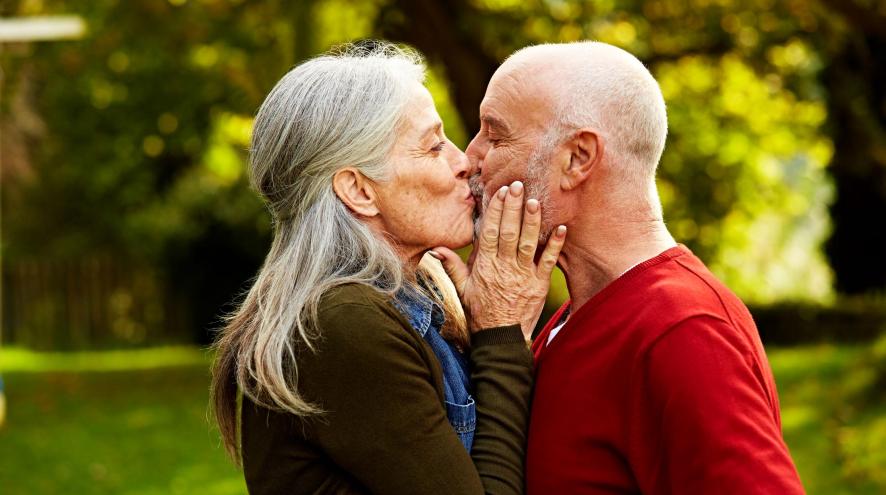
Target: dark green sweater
(384, 430)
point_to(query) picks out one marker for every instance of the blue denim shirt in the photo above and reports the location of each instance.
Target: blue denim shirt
(427, 317)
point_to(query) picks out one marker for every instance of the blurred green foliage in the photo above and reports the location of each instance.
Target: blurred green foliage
(760, 175)
(145, 122)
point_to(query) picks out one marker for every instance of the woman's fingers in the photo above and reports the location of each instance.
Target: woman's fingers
(511, 217)
(552, 251)
(456, 269)
(488, 242)
(529, 233)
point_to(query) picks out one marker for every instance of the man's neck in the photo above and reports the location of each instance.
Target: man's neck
(595, 255)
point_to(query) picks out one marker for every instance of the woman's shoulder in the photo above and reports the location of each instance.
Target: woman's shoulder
(352, 294)
(355, 322)
(356, 300)
(358, 309)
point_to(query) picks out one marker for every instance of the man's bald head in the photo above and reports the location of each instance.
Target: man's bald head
(596, 85)
(582, 124)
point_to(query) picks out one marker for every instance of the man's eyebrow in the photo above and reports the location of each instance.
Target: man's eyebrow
(496, 123)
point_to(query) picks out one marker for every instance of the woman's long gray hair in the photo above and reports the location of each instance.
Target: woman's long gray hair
(340, 109)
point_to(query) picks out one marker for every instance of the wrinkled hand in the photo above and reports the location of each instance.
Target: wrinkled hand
(504, 285)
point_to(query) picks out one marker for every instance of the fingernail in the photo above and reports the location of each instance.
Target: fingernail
(435, 254)
(561, 231)
(532, 205)
(516, 188)
(502, 192)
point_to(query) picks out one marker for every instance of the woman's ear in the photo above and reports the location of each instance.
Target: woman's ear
(585, 151)
(355, 191)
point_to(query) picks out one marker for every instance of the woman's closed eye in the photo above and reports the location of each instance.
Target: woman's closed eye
(439, 147)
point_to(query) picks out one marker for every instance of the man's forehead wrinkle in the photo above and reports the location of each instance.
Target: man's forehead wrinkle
(494, 109)
(511, 89)
(517, 97)
(499, 98)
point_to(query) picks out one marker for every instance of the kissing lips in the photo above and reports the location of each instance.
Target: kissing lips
(477, 192)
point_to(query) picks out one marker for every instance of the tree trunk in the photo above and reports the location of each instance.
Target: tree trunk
(437, 29)
(856, 80)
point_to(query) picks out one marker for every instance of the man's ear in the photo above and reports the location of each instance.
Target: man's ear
(585, 151)
(355, 191)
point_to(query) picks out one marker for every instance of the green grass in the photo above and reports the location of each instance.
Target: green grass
(817, 387)
(17, 360)
(135, 422)
(142, 431)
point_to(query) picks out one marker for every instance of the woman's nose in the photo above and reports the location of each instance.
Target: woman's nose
(460, 164)
(475, 154)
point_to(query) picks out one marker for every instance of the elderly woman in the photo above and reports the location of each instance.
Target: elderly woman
(358, 369)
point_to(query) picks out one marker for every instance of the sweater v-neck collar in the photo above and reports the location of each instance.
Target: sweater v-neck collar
(601, 297)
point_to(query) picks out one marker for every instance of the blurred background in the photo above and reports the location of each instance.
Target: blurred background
(128, 226)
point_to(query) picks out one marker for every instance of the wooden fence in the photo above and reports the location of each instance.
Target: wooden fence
(92, 303)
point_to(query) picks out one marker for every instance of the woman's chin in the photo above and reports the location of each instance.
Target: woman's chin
(462, 241)
(455, 242)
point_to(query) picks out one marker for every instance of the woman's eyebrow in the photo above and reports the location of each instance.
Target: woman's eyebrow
(432, 129)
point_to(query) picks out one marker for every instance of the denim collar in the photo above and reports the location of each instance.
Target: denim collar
(421, 311)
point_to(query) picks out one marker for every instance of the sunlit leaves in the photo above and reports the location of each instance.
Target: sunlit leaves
(162, 92)
(225, 156)
(342, 21)
(742, 178)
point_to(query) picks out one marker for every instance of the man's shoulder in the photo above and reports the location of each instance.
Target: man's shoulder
(686, 291)
(671, 292)
(685, 287)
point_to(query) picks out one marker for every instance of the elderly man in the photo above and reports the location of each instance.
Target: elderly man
(652, 378)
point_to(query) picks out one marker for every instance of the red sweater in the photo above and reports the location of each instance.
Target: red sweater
(657, 385)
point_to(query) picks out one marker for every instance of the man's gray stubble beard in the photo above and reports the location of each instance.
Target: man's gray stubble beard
(537, 187)
(536, 184)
